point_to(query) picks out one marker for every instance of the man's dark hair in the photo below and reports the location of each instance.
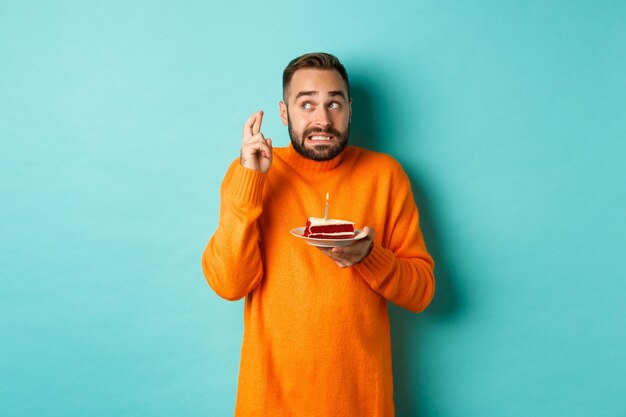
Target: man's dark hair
(316, 60)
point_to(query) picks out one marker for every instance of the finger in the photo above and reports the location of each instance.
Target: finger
(268, 152)
(342, 263)
(329, 252)
(338, 251)
(354, 253)
(248, 126)
(339, 261)
(256, 126)
(369, 232)
(340, 258)
(260, 139)
(257, 147)
(255, 138)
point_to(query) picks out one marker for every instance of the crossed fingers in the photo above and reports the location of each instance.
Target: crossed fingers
(256, 150)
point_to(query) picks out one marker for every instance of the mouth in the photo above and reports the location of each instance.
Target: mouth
(320, 138)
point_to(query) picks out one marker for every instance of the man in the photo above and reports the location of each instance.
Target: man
(316, 329)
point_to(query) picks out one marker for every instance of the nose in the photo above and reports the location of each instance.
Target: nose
(322, 117)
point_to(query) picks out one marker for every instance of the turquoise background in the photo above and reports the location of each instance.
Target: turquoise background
(117, 123)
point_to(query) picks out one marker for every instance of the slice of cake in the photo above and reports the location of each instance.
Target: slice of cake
(320, 228)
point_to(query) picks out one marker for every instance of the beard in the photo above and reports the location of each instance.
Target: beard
(321, 152)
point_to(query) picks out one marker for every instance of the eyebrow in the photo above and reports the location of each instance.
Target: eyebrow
(315, 93)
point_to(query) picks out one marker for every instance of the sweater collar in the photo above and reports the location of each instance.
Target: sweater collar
(306, 165)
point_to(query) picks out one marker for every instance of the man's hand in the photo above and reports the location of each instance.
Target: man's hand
(345, 256)
(256, 151)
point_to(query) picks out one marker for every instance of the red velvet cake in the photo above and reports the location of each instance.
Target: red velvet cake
(320, 228)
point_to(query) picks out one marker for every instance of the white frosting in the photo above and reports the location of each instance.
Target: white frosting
(339, 234)
(320, 221)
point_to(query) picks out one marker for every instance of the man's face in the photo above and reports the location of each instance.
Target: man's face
(317, 111)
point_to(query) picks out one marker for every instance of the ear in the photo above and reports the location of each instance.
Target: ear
(283, 113)
(350, 107)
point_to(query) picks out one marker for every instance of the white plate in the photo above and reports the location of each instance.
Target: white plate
(327, 243)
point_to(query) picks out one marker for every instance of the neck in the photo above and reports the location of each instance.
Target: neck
(307, 165)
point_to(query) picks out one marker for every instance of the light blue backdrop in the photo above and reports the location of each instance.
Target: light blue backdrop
(118, 120)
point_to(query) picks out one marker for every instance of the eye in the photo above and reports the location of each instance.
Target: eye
(307, 106)
(334, 105)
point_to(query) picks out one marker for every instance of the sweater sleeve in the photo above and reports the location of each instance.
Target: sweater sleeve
(399, 267)
(232, 262)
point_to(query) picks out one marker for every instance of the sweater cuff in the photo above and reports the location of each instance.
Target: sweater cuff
(246, 186)
(376, 266)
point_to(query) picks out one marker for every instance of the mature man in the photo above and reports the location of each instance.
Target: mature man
(316, 329)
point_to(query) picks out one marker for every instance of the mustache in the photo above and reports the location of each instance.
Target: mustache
(331, 130)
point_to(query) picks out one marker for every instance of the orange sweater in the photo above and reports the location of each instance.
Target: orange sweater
(316, 336)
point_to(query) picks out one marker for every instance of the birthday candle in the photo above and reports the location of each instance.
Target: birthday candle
(326, 210)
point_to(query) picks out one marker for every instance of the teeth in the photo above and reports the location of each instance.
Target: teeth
(320, 138)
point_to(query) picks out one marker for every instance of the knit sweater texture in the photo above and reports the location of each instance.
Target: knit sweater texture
(316, 336)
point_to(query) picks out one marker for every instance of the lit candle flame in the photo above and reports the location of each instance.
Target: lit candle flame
(326, 209)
